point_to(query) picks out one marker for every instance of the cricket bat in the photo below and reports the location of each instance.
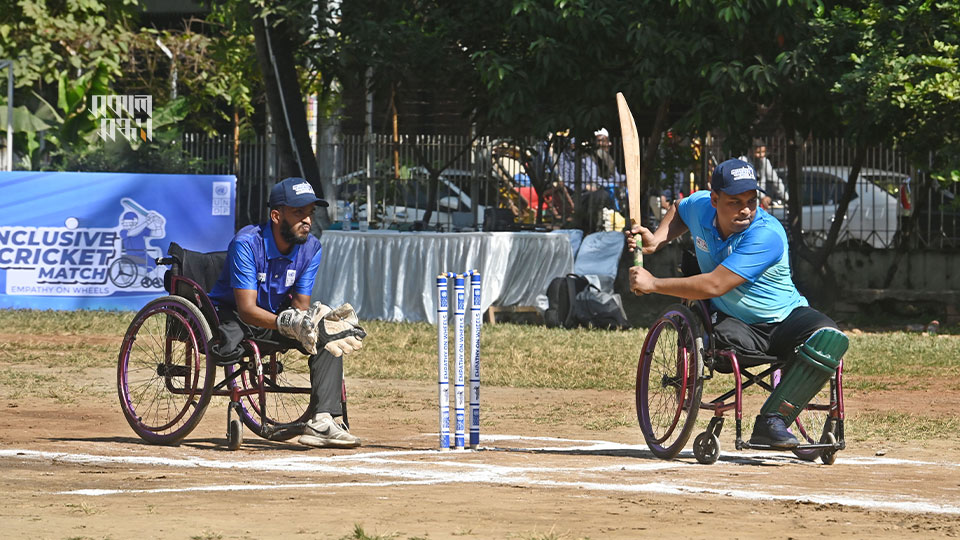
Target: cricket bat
(631, 161)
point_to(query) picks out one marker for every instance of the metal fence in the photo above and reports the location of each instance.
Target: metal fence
(453, 183)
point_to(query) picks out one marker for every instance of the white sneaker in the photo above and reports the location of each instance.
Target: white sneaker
(324, 432)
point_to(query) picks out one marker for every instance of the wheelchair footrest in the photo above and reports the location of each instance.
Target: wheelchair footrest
(745, 445)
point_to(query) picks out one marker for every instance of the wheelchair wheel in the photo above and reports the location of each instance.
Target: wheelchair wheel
(669, 383)
(286, 377)
(163, 378)
(813, 426)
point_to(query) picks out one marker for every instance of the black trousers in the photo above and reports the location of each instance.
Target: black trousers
(326, 370)
(770, 339)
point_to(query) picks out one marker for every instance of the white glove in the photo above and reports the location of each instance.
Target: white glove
(301, 325)
(340, 333)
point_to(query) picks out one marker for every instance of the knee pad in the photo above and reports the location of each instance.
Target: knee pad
(817, 359)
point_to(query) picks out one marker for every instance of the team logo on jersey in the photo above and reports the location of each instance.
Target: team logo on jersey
(291, 277)
(702, 244)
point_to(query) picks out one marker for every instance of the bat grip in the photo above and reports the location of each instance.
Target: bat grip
(638, 254)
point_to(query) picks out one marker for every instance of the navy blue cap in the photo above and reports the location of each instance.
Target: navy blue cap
(734, 176)
(294, 192)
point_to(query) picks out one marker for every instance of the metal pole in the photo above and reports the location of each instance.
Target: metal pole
(9, 65)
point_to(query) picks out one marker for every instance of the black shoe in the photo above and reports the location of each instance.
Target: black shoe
(771, 430)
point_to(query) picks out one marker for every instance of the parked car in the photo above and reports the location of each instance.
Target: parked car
(405, 201)
(872, 217)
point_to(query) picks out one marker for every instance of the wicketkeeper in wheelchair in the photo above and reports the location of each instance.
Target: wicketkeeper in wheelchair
(744, 265)
(264, 290)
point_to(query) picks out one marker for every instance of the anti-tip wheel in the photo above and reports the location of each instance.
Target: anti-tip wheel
(706, 448)
(234, 434)
(829, 455)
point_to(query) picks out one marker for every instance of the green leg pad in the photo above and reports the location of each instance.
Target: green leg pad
(817, 360)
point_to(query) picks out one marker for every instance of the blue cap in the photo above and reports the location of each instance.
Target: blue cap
(733, 177)
(294, 192)
(129, 216)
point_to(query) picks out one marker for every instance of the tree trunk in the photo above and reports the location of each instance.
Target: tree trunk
(275, 57)
(824, 252)
(650, 153)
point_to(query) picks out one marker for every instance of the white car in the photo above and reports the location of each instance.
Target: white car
(872, 217)
(405, 201)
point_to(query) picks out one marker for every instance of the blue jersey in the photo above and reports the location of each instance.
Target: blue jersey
(254, 262)
(758, 254)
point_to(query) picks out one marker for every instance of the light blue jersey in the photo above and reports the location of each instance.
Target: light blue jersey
(757, 254)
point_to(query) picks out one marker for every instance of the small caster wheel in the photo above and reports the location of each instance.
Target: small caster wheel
(706, 448)
(829, 455)
(234, 434)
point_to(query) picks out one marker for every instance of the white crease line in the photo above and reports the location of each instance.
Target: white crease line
(429, 473)
(247, 487)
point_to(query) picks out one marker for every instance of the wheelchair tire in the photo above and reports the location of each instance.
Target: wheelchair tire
(286, 376)
(669, 380)
(812, 426)
(234, 434)
(163, 378)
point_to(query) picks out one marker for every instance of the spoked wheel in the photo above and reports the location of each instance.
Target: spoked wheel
(123, 272)
(668, 381)
(163, 378)
(286, 378)
(813, 425)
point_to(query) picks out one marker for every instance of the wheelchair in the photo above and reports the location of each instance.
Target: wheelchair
(166, 374)
(679, 355)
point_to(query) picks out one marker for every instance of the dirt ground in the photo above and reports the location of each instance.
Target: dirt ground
(76, 470)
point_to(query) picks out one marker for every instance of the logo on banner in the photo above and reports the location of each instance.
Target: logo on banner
(84, 261)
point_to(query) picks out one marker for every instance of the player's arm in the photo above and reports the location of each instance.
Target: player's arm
(243, 280)
(250, 312)
(699, 287)
(300, 301)
(671, 227)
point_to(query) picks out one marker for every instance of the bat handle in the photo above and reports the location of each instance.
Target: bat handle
(638, 253)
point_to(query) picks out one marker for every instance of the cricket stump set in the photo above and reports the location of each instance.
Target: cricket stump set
(443, 357)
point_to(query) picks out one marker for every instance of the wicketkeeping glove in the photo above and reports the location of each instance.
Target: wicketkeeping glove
(340, 332)
(301, 325)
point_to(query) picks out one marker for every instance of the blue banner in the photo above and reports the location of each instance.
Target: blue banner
(88, 240)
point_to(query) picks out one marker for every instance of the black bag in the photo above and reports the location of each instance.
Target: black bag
(600, 309)
(562, 293)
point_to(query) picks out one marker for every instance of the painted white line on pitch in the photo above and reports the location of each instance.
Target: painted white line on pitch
(455, 472)
(242, 487)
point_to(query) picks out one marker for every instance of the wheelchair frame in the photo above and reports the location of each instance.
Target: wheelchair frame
(692, 363)
(177, 372)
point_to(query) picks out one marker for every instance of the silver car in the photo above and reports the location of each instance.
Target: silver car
(873, 215)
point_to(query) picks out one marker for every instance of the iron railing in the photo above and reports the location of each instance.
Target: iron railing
(485, 183)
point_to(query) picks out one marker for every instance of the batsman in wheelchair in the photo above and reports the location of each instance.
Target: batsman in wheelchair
(742, 253)
(264, 290)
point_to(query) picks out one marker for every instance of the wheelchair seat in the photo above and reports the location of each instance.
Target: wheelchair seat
(721, 362)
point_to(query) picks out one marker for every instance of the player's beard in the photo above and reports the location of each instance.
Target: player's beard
(286, 231)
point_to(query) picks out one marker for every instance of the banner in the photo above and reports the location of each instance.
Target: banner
(88, 240)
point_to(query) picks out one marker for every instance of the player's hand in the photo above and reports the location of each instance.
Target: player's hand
(641, 281)
(299, 325)
(340, 333)
(646, 239)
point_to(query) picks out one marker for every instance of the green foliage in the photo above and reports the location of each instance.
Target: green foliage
(52, 39)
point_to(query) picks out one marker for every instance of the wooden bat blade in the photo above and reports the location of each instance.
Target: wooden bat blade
(631, 161)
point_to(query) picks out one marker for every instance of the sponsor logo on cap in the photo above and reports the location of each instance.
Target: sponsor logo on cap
(742, 173)
(302, 188)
